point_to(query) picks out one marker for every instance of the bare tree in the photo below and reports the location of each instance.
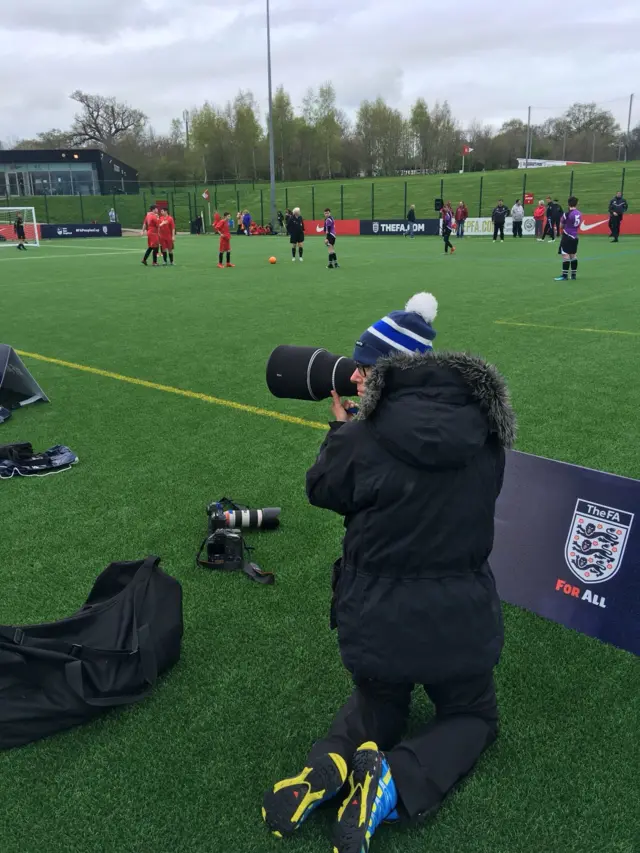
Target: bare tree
(103, 121)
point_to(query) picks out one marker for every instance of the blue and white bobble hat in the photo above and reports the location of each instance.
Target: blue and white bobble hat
(407, 331)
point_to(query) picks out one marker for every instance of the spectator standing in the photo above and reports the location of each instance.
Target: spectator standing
(558, 213)
(499, 217)
(617, 209)
(538, 217)
(462, 214)
(411, 222)
(548, 228)
(246, 223)
(113, 216)
(517, 215)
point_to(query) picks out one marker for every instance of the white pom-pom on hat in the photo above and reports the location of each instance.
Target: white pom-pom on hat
(424, 304)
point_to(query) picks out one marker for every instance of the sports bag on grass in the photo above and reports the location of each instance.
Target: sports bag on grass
(60, 674)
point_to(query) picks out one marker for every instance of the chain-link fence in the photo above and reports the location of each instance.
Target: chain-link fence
(383, 198)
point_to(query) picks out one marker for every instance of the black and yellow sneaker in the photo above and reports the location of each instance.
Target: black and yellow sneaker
(290, 802)
(372, 799)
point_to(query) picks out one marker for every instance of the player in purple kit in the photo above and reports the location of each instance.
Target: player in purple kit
(330, 238)
(447, 227)
(569, 244)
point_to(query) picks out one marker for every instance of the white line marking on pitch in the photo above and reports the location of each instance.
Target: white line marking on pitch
(61, 245)
(88, 255)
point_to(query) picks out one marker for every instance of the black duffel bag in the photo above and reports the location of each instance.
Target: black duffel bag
(60, 674)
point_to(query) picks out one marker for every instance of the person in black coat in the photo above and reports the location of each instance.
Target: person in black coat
(499, 217)
(295, 230)
(415, 475)
(617, 208)
(558, 212)
(411, 222)
(549, 227)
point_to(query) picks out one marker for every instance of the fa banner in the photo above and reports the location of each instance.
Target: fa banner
(567, 547)
(399, 227)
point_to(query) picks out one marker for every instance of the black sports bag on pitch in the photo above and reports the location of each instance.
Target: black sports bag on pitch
(60, 674)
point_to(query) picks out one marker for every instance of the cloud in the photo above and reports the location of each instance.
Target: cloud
(488, 65)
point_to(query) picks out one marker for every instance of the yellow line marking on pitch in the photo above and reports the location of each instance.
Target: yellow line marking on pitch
(181, 392)
(566, 328)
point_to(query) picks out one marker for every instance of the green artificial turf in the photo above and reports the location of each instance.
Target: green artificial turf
(594, 184)
(260, 676)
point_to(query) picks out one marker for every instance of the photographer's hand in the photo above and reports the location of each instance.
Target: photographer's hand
(339, 408)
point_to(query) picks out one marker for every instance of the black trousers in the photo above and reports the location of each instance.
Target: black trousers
(517, 228)
(425, 767)
(498, 228)
(446, 233)
(549, 229)
(614, 225)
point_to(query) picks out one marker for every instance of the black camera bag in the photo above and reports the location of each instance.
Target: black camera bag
(60, 674)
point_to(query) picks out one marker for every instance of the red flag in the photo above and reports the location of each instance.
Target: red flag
(206, 195)
(466, 150)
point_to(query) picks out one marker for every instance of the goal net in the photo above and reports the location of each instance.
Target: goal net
(12, 220)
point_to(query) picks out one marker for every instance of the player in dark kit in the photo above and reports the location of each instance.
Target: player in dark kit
(296, 233)
(447, 227)
(18, 227)
(330, 239)
(569, 244)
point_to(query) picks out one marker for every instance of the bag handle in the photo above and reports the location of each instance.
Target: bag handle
(18, 636)
(74, 676)
(146, 655)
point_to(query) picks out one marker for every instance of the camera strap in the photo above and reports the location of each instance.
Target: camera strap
(251, 570)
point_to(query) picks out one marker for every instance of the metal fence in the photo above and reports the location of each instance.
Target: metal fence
(384, 198)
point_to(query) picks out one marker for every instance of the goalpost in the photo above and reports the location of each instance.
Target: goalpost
(8, 230)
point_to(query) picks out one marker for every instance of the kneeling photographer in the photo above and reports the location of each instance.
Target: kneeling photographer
(416, 474)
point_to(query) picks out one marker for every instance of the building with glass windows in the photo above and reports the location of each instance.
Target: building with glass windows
(85, 171)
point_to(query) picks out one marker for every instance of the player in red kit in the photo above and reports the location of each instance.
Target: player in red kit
(150, 225)
(167, 232)
(222, 227)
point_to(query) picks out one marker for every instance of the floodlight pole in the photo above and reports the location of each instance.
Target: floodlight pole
(272, 153)
(185, 116)
(528, 151)
(626, 147)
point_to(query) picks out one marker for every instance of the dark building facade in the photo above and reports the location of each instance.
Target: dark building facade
(80, 171)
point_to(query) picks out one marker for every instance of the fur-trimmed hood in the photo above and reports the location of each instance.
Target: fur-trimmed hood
(439, 389)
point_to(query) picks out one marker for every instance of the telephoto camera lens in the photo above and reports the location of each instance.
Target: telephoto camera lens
(309, 373)
(267, 518)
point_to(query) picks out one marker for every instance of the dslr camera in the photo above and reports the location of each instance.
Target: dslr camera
(224, 543)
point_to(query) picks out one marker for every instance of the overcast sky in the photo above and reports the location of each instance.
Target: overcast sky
(490, 60)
